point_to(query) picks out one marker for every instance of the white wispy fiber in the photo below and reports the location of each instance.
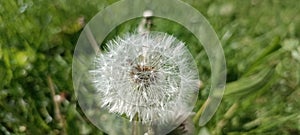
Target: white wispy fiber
(145, 76)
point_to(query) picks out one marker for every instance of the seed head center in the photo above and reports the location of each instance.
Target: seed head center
(143, 75)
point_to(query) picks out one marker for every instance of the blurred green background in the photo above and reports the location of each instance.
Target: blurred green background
(260, 40)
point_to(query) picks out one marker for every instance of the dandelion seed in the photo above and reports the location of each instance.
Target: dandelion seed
(145, 76)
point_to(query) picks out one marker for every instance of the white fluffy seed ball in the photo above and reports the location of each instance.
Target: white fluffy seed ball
(146, 76)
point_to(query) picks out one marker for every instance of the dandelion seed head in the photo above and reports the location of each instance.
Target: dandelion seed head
(145, 75)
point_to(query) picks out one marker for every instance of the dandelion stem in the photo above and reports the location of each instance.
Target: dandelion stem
(135, 128)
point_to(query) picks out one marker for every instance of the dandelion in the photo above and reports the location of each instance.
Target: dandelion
(145, 77)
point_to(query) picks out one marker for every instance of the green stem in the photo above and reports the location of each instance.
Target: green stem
(199, 112)
(135, 128)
